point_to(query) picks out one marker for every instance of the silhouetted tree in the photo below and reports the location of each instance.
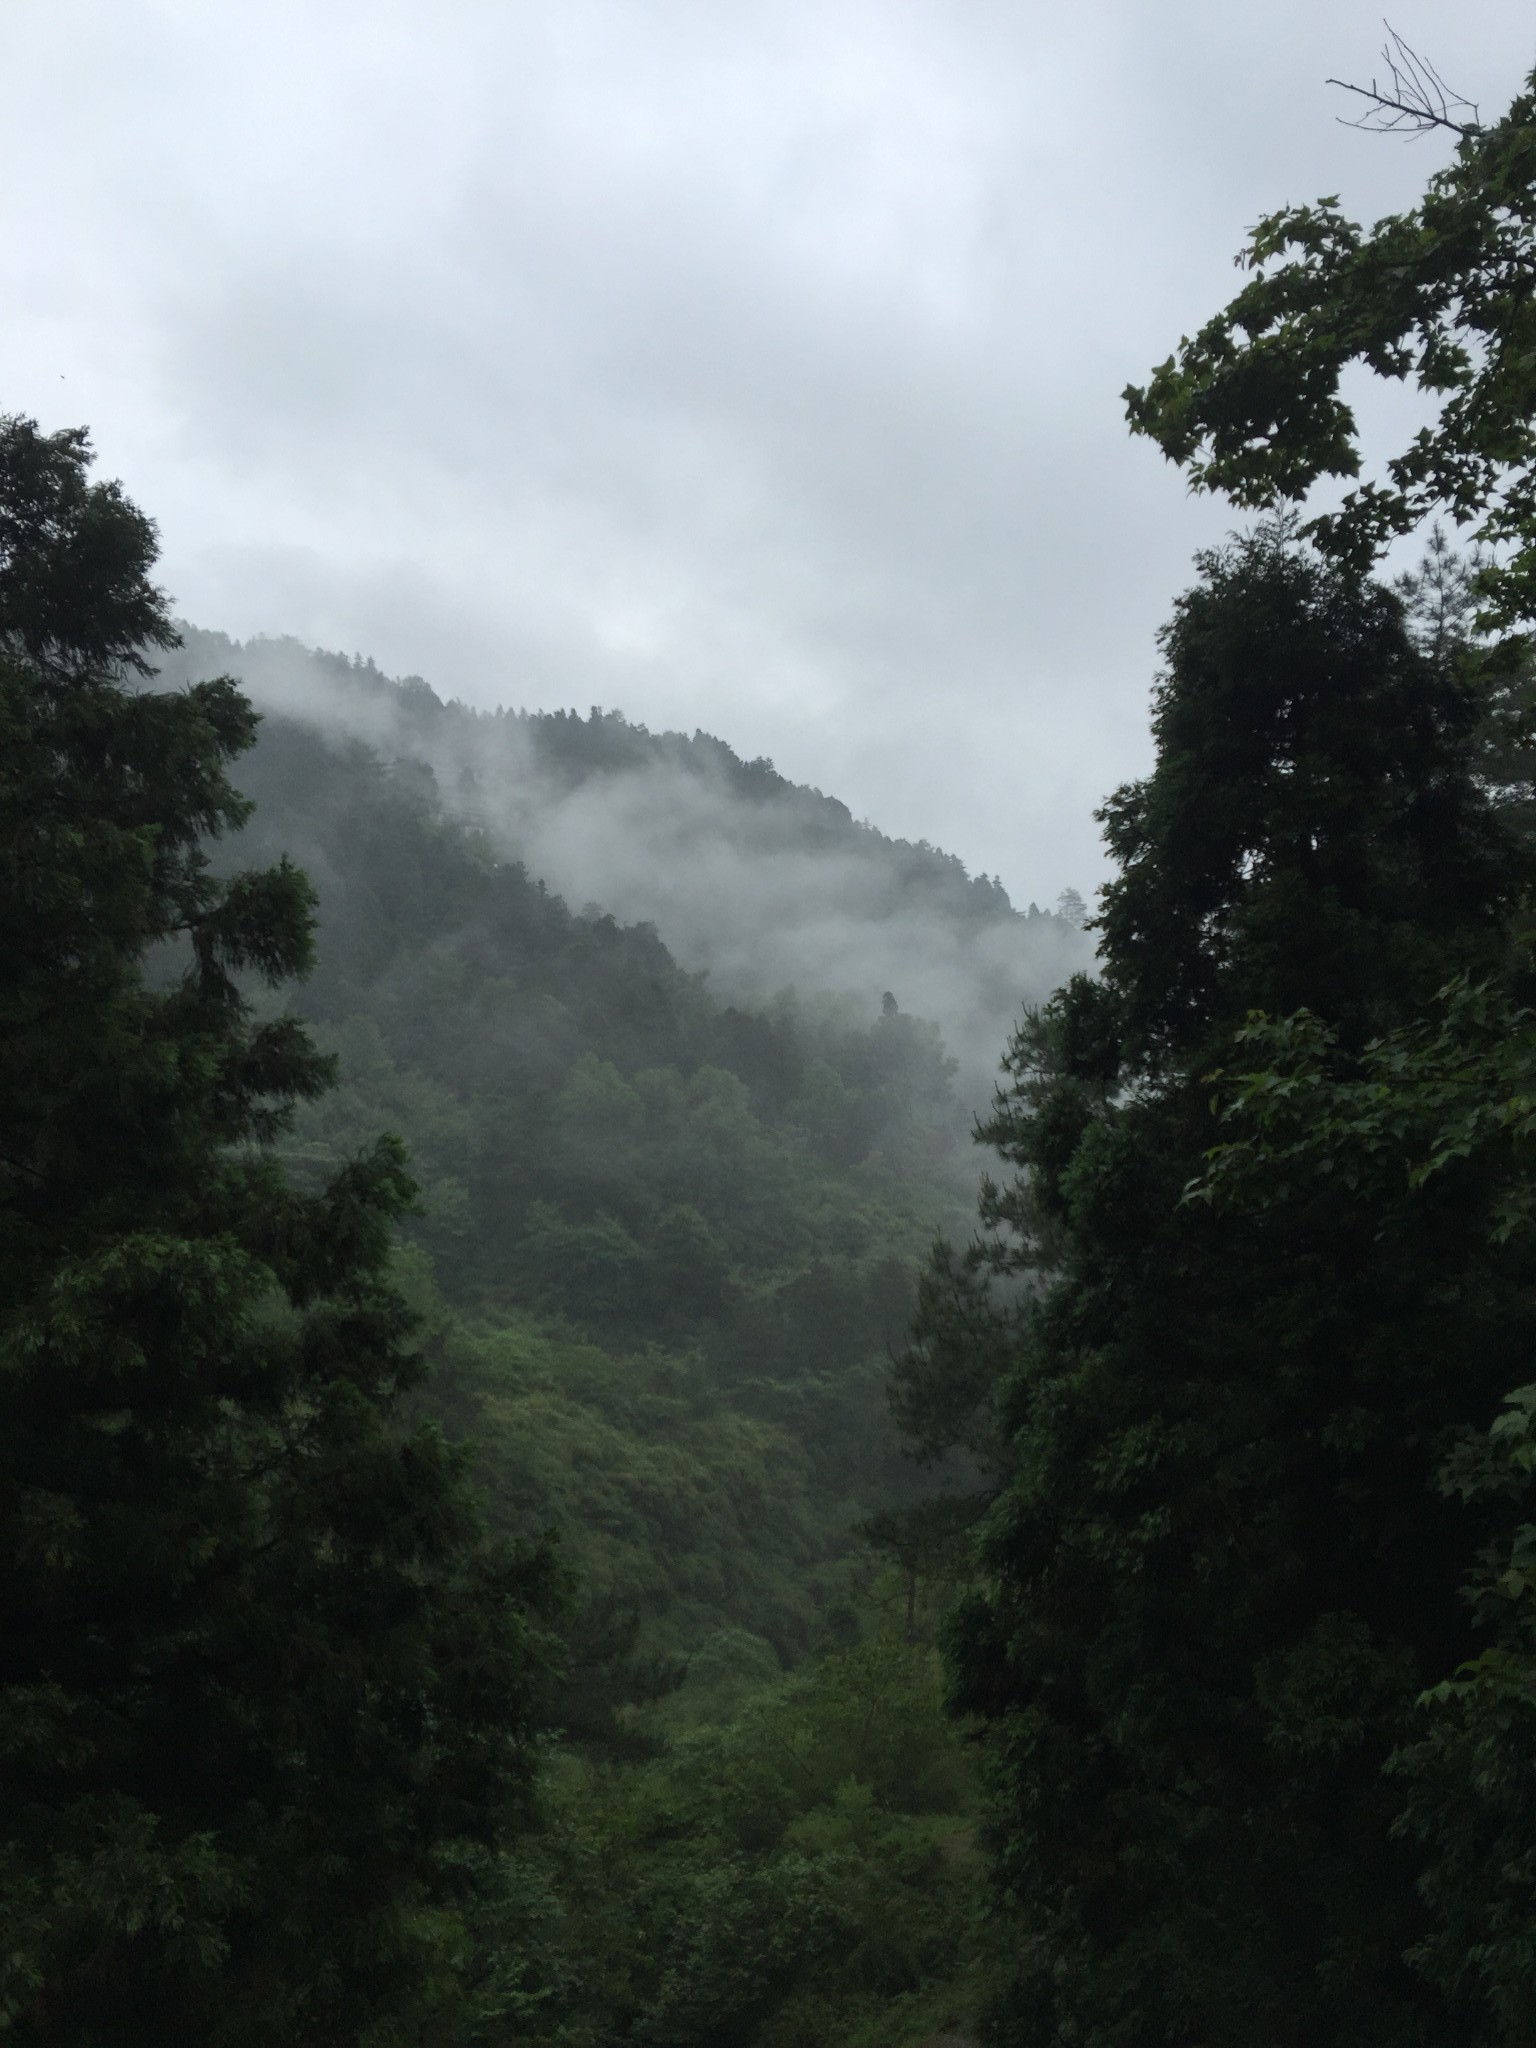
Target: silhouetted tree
(267, 1699)
(1217, 1575)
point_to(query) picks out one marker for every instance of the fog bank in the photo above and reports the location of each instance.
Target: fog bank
(756, 882)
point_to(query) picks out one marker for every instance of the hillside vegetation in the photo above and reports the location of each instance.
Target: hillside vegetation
(664, 1252)
(530, 1512)
(760, 882)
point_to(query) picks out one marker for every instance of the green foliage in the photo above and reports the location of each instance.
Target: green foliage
(1470, 1792)
(75, 558)
(1433, 1125)
(1252, 407)
(265, 1692)
(670, 1501)
(674, 1242)
(800, 1872)
(662, 1252)
(276, 1698)
(1392, 1147)
(596, 1134)
(1444, 1098)
(1313, 825)
(1215, 1576)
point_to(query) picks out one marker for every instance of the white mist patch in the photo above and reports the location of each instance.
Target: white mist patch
(755, 882)
(679, 849)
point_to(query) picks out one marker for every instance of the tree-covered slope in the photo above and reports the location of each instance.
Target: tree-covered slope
(762, 882)
(671, 1240)
(665, 1249)
(292, 1747)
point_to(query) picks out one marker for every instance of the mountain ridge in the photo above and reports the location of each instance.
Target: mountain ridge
(761, 883)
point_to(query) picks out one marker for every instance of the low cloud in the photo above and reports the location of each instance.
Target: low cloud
(755, 882)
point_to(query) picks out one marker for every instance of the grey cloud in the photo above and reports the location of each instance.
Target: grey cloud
(754, 368)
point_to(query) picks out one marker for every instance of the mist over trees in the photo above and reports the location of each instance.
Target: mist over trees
(319, 1723)
(534, 1508)
(762, 884)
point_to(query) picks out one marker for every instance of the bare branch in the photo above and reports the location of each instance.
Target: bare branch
(1419, 99)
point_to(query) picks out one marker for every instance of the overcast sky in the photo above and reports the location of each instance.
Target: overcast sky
(745, 364)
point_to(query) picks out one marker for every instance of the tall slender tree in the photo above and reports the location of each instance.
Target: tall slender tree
(1216, 1574)
(268, 1701)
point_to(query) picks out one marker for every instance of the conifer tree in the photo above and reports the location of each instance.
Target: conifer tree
(268, 1701)
(1219, 1572)
(1216, 1574)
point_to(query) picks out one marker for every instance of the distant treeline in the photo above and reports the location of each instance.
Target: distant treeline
(761, 882)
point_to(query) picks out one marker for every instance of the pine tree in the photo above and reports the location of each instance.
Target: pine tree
(1216, 1574)
(268, 1701)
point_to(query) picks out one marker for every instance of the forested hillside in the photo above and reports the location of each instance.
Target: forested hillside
(664, 1253)
(649, 1262)
(765, 884)
(535, 1506)
(730, 1200)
